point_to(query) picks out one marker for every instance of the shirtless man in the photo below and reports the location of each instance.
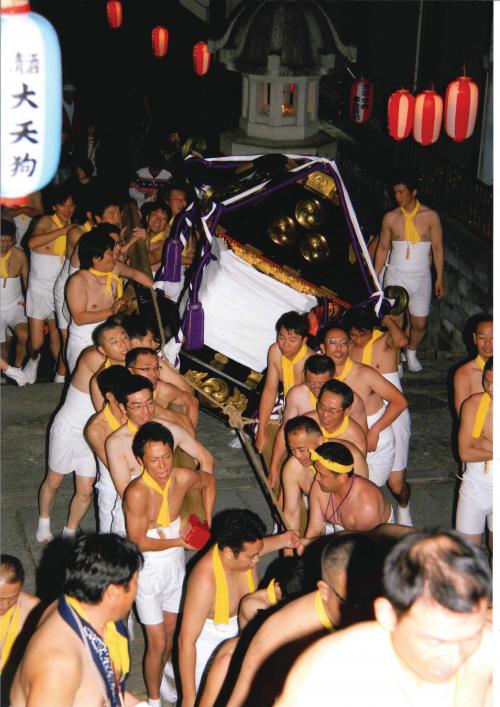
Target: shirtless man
(152, 505)
(15, 607)
(135, 400)
(468, 378)
(107, 210)
(337, 602)
(412, 232)
(48, 247)
(99, 427)
(430, 643)
(339, 497)
(302, 434)
(68, 449)
(372, 387)
(155, 216)
(142, 333)
(95, 291)
(285, 364)
(378, 349)
(67, 663)
(142, 361)
(475, 445)
(301, 398)
(14, 277)
(215, 588)
(22, 214)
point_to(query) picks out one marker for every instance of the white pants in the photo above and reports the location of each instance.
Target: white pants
(475, 500)
(401, 428)
(68, 448)
(79, 337)
(381, 461)
(210, 637)
(44, 270)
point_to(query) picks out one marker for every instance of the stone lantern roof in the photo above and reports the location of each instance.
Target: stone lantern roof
(281, 38)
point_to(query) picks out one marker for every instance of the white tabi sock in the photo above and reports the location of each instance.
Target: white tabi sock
(69, 532)
(414, 364)
(43, 534)
(30, 369)
(154, 703)
(403, 516)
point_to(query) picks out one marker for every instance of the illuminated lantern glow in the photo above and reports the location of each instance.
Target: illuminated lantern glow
(460, 108)
(159, 39)
(201, 58)
(31, 99)
(428, 117)
(400, 114)
(361, 101)
(114, 11)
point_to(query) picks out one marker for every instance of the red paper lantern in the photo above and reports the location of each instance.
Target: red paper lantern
(159, 38)
(361, 101)
(201, 58)
(428, 117)
(460, 108)
(114, 11)
(400, 114)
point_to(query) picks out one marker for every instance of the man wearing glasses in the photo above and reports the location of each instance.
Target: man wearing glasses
(383, 402)
(135, 400)
(302, 398)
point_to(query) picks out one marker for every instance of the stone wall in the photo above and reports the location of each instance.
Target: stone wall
(468, 283)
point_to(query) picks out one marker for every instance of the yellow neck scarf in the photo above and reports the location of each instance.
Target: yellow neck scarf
(368, 349)
(116, 643)
(4, 264)
(163, 518)
(131, 427)
(158, 237)
(338, 432)
(321, 612)
(221, 609)
(271, 592)
(87, 226)
(481, 414)
(9, 628)
(110, 278)
(287, 368)
(110, 418)
(347, 369)
(312, 398)
(479, 360)
(332, 466)
(107, 362)
(411, 233)
(59, 244)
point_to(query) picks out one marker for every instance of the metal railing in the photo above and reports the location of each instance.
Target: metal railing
(449, 188)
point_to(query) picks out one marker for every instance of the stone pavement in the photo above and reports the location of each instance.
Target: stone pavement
(27, 411)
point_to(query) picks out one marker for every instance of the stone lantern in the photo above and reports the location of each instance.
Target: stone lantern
(281, 48)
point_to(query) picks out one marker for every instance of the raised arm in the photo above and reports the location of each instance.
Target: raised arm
(40, 234)
(192, 447)
(397, 338)
(396, 404)
(133, 274)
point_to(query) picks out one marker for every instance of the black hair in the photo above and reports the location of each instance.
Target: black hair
(288, 572)
(338, 388)
(150, 206)
(336, 452)
(11, 569)
(301, 422)
(406, 178)
(60, 194)
(109, 323)
(101, 203)
(133, 354)
(293, 321)
(132, 385)
(237, 527)
(8, 228)
(137, 326)
(319, 363)
(93, 245)
(109, 380)
(441, 565)
(98, 560)
(482, 319)
(151, 432)
(362, 318)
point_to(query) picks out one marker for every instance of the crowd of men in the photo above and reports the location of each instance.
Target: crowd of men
(127, 429)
